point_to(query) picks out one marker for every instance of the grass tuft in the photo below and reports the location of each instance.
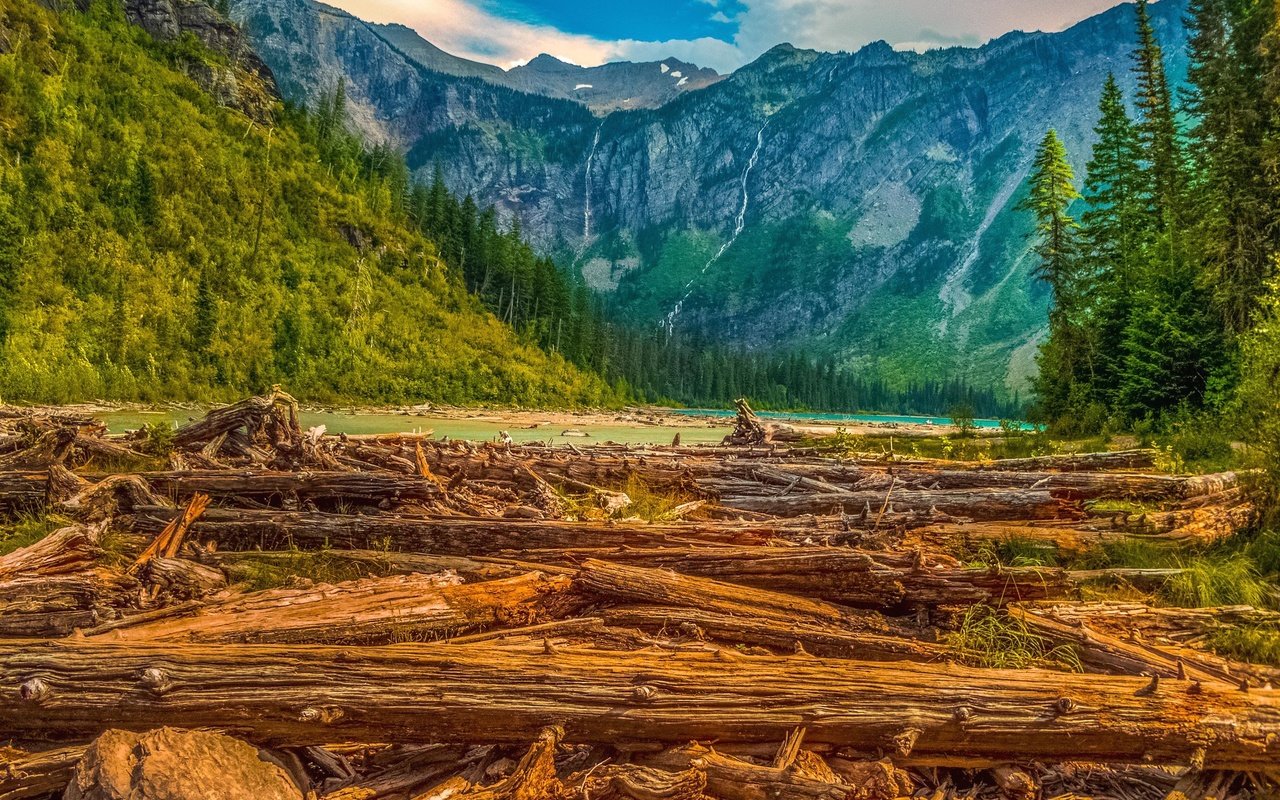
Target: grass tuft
(1257, 644)
(1207, 581)
(650, 504)
(278, 573)
(992, 639)
(27, 530)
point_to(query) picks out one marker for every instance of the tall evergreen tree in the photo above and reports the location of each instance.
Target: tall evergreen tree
(1236, 206)
(1111, 234)
(1063, 358)
(1172, 345)
(1157, 132)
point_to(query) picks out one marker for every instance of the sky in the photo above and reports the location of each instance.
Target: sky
(722, 34)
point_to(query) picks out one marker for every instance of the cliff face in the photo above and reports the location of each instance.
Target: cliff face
(854, 203)
(238, 78)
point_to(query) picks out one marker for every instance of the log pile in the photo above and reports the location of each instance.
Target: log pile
(398, 617)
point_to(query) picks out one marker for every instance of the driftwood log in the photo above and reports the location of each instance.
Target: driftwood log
(372, 610)
(246, 529)
(866, 579)
(483, 693)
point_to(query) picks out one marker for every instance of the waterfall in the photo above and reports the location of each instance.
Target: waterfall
(586, 192)
(669, 321)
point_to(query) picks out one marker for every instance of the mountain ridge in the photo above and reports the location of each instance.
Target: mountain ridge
(879, 220)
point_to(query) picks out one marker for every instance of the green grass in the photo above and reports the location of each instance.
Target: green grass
(1257, 644)
(277, 573)
(1014, 551)
(27, 530)
(1127, 553)
(1117, 506)
(995, 640)
(650, 504)
(1207, 581)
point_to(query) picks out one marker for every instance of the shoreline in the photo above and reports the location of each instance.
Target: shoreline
(638, 417)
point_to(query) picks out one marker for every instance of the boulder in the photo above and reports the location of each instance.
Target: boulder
(175, 764)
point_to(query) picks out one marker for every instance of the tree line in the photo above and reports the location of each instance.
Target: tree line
(1162, 265)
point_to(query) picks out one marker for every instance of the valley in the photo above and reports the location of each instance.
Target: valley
(881, 230)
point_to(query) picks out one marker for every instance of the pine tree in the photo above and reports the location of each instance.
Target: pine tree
(1157, 131)
(1051, 192)
(205, 322)
(1236, 208)
(1063, 358)
(1111, 225)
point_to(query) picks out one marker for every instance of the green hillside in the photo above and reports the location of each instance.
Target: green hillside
(155, 244)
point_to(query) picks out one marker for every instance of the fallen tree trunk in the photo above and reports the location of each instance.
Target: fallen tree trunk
(356, 564)
(1113, 654)
(1119, 459)
(23, 491)
(810, 637)
(631, 585)
(979, 504)
(482, 693)
(373, 610)
(55, 605)
(54, 585)
(866, 579)
(456, 536)
(360, 486)
(65, 550)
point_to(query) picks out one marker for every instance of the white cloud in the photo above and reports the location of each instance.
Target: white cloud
(465, 28)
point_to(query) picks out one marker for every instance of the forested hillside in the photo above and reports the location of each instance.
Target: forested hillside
(155, 244)
(1163, 273)
(159, 245)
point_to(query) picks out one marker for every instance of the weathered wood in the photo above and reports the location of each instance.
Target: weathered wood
(47, 449)
(818, 639)
(1111, 653)
(483, 693)
(360, 563)
(111, 496)
(183, 579)
(65, 550)
(167, 542)
(55, 605)
(980, 504)
(865, 579)
(1119, 459)
(245, 529)
(371, 610)
(635, 782)
(415, 770)
(36, 773)
(1172, 634)
(23, 490)
(360, 486)
(632, 585)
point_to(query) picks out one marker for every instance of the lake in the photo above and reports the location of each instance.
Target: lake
(717, 424)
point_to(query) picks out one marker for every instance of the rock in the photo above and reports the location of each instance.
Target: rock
(244, 82)
(176, 764)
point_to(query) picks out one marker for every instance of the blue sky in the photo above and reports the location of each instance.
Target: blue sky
(722, 34)
(655, 20)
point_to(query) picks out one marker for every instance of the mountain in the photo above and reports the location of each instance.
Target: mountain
(169, 231)
(603, 89)
(618, 86)
(858, 205)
